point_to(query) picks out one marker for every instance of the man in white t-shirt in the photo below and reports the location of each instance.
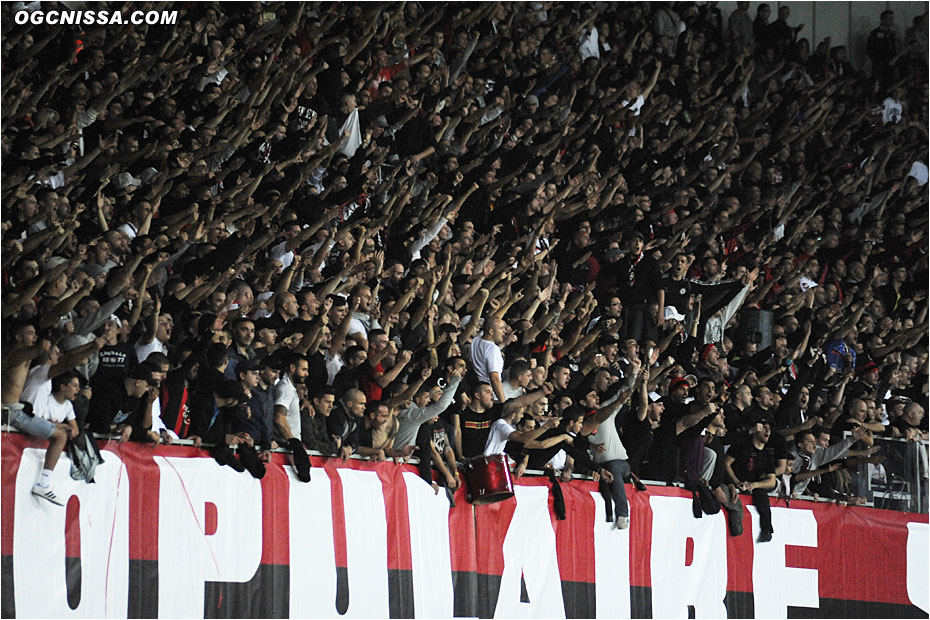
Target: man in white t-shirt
(55, 409)
(487, 357)
(287, 413)
(520, 376)
(157, 333)
(361, 322)
(504, 428)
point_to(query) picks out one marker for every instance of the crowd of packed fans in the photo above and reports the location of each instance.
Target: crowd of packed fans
(624, 239)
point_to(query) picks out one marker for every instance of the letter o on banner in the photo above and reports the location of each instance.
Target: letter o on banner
(39, 541)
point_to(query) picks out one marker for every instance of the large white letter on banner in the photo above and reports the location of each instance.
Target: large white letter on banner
(611, 565)
(189, 555)
(39, 541)
(312, 550)
(529, 550)
(918, 571)
(775, 586)
(433, 595)
(366, 544)
(675, 586)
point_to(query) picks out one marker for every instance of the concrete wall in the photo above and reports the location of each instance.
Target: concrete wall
(846, 23)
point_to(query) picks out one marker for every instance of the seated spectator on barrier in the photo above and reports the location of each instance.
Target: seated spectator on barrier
(121, 405)
(53, 419)
(260, 422)
(434, 448)
(752, 469)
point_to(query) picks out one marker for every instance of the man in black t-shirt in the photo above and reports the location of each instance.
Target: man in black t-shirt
(115, 358)
(117, 406)
(752, 469)
(473, 424)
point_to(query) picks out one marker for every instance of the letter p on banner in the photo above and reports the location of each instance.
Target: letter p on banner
(191, 552)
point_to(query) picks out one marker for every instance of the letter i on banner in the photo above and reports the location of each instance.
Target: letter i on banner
(428, 512)
(41, 589)
(192, 549)
(675, 584)
(611, 565)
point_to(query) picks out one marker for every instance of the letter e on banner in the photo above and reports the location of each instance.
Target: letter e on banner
(188, 553)
(529, 550)
(39, 541)
(433, 594)
(703, 583)
(774, 585)
(918, 573)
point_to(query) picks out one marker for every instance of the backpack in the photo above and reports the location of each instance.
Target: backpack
(703, 499)
(85, 457)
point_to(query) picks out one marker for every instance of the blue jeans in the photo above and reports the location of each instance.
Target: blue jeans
(620, 469)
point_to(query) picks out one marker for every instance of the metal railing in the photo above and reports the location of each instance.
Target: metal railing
(899, 482)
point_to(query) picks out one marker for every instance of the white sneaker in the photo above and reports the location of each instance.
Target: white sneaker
(622, 523)
(47, 493)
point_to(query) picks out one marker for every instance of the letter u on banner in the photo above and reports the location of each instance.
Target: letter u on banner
(189, 554)
(39, 541)
(313, 557)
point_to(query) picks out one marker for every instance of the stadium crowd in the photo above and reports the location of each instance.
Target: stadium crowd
(623, 239)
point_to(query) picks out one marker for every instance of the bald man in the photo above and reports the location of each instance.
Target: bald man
(487, 357)
(345, 421)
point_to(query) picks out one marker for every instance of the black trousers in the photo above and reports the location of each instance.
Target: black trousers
(760, 499)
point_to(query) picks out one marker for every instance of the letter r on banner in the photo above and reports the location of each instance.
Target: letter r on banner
(703, 583)
(188, 554)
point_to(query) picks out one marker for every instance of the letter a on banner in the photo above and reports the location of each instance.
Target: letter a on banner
(190, 552)
(433, 594)
(774, 585)
(39, 542)
(703, 583)
(529, 550)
